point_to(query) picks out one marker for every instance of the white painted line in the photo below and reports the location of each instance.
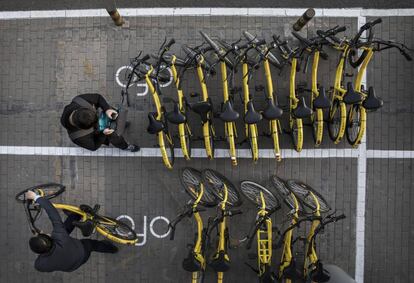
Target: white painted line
(361, 197)
(259, 12)
(201, 153)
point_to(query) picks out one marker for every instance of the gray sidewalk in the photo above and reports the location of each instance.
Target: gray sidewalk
(45, 62)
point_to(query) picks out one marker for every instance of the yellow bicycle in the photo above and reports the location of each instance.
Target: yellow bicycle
(298, 108)
(178, 115)
(313, 269)
(225, 191)
(355, 95)
(228, 115)
(91, 221)
(195, 262)
(266, 204)
(158, 125)
(272, 113)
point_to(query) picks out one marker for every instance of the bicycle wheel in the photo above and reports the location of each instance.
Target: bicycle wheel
(253, 191)
(192, 181)
(317, 126)
(355, 126)
(49, 191)
(337, 121)
(215, 182)
(283, 192)
(302, 192)
(296, 128)
(115, 230)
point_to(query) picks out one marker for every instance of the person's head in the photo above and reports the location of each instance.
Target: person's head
(84, 118)
(41, 243)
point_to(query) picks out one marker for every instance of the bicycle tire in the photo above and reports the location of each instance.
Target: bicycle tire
(296, 128)
(252, 191)
(301, 191)
(53, 190)
(282, 191)
(355, 129)
(214, 181)
(191, 180)
(337, 121)
(113, 227)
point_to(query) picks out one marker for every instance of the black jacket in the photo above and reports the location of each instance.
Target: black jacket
(94, 140)
(67, 253)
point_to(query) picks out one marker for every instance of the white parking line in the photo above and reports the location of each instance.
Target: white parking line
(200, 152)
(252, 12)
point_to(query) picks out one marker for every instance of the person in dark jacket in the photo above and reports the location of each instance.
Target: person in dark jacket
(81, 122)
(59, 251)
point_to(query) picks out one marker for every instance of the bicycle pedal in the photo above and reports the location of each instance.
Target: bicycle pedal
(259, 88)
(349, 75)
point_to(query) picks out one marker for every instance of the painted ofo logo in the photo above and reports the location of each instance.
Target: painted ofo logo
(121, 80)
(142, 236)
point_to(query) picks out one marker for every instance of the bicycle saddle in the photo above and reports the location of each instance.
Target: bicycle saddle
(202, 108)
(228, 114)
(372, 102)
(191, 264)
(272, 110)
(351, 96)
(252, 116)
(319, 274)
(302, 110)
(154, 126)
(220, 264)
(268, 277)
(322, 101)
(175, 116)
(86, 227)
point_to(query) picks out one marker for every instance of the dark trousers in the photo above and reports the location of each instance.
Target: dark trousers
(89, 245)
(117, 141)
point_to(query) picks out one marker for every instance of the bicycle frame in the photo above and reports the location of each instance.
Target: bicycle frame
(310, 250)
(274, 125)
(159, 117)
(264, 239)
(251, 131)
(287, 256)
(229, 127)
(339, 92)
(183, 128)
(293, 104)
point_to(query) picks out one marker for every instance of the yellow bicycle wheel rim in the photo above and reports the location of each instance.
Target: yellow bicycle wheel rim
(318, 119)
(183, 141)
(208, 140)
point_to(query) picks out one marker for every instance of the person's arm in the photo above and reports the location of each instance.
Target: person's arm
(53, 214)
(96, 99)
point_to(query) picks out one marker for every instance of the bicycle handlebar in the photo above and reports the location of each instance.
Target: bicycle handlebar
(187, 213)
(216, 48)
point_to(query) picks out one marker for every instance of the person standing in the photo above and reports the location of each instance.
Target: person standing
(80, 119)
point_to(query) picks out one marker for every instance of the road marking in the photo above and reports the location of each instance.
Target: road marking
(200, 152)
(252, 12)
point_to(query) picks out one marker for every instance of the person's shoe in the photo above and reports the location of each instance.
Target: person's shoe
(127, 124)
(111, 248)
(133, 148)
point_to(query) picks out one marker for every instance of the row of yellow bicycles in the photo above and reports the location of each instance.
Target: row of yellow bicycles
(343, 108)
(209, 189)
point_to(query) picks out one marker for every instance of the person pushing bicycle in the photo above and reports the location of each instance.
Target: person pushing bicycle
(88, 129)
(59, 251)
